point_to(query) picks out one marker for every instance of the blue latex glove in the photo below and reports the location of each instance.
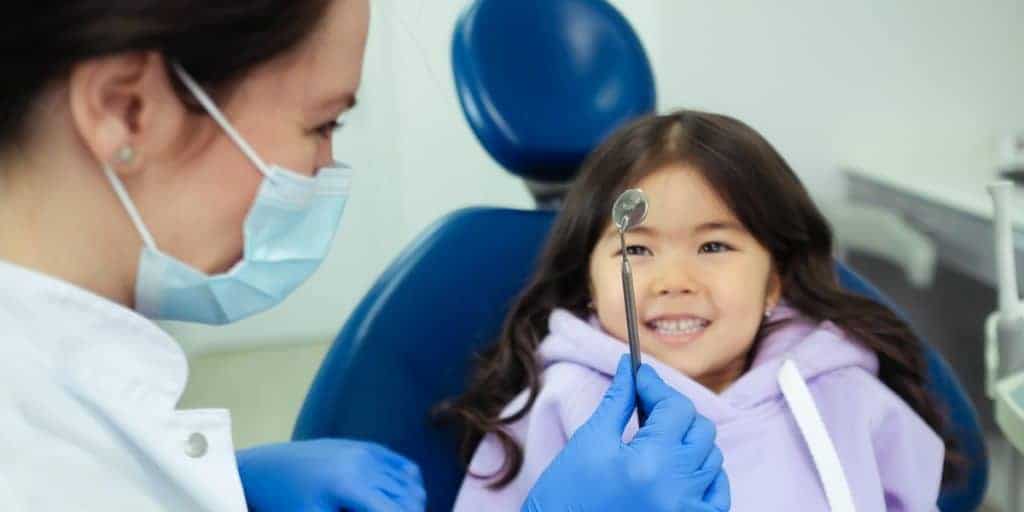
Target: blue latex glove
(329, 475)
(671, 465)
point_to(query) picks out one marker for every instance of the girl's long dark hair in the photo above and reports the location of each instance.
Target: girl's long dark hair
(765, 195)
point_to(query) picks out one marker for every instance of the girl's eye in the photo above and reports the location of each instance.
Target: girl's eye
(327, 129)
(713, 247)
(638, 250)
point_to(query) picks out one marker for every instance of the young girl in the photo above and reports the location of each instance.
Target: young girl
(817, 394)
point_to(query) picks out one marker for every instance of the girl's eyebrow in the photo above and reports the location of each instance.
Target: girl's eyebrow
(714, 225)
(613, 232)
(718, 225)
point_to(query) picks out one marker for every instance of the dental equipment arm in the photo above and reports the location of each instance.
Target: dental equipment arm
(1005, 342)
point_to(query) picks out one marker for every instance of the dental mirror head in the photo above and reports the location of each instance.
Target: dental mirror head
(630, 209)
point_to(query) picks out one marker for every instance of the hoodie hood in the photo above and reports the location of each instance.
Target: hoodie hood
(815, 348)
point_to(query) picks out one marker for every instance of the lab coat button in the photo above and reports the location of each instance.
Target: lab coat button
(196, 445)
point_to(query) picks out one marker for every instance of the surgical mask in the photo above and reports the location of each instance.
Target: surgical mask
(287, 233)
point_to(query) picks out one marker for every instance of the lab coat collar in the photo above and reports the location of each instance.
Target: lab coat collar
(94, 345)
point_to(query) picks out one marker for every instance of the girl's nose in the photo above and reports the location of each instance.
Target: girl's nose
(674, 279)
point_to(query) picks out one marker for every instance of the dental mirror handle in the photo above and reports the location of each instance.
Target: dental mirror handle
(632, 329)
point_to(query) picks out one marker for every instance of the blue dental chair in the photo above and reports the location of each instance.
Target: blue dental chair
(541, 83)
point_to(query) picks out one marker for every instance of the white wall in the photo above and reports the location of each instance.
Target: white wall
(912, 87)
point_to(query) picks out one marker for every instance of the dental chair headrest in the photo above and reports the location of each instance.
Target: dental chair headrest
(542, 82)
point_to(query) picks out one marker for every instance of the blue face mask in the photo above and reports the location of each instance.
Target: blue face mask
(287, 233)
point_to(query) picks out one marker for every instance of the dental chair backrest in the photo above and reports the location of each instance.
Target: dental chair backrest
(541, 83)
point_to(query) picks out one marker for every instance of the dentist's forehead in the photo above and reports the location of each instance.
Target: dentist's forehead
(327, 67)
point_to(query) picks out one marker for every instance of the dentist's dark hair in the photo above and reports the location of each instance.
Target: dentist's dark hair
(764, 193)
(217, 42)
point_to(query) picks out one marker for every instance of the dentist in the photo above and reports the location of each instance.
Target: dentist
(171, 159)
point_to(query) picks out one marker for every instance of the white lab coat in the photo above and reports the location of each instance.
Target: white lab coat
(88, 391)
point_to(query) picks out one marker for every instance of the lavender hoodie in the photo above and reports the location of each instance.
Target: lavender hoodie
(809, 427)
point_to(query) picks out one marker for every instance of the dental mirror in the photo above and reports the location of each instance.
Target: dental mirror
(629, 211)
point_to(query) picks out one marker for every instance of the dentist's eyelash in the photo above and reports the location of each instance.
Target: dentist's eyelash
(329, 128)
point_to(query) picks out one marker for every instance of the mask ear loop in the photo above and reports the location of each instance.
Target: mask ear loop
(129, 206)
(217, 116)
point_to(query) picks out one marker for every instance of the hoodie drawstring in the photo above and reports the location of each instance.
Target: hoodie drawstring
(823, 451)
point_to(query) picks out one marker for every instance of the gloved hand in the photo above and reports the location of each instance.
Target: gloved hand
(329, 475)
(671, 465)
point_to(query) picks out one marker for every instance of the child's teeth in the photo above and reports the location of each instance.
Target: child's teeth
(680, 326)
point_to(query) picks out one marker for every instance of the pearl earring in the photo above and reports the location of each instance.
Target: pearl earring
(126, 154)
(768, 312)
